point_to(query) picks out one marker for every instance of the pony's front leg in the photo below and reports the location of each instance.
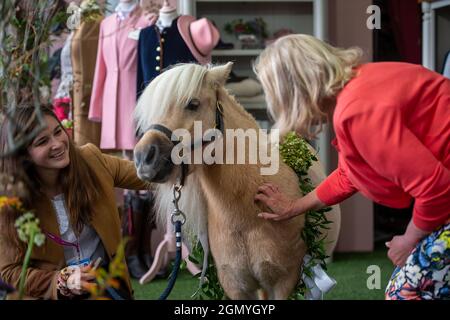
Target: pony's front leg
(237, 283)
(283, 288)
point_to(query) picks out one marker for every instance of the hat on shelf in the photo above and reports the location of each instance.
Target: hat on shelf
(199, 35)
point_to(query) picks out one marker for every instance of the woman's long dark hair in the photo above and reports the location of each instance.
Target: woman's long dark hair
(79, 182)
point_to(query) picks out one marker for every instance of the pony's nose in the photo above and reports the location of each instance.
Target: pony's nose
(148, 155)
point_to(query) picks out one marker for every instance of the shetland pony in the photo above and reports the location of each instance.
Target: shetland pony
(250, 253)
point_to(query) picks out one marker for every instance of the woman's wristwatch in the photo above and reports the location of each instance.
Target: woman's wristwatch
(61, 286)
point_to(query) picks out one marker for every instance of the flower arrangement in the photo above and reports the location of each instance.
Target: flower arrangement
(250, 33)
(28, 230)
(27, 225)
(295, 153)
(257, 27)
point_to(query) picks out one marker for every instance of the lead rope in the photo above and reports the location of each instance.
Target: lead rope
(178, 218)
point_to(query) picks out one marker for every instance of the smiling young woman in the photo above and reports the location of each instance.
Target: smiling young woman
(71, 191)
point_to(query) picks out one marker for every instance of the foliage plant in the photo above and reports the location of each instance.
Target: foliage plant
(26, 27)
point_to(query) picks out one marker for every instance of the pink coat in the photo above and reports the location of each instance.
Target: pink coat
(114, 89)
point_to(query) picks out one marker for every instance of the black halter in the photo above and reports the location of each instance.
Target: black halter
(219, 125)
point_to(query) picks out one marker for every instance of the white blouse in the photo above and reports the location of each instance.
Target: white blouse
(90, 245)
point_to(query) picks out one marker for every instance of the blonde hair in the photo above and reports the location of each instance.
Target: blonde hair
(301, 76)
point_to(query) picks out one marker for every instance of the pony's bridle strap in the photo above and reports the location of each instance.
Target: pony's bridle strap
(219, 117)
(167, 132)
(219, 125)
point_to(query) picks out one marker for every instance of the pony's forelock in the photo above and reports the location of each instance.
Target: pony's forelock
(174, 87)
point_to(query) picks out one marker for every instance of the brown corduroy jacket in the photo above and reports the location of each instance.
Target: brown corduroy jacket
(47, 260)
(84, 55)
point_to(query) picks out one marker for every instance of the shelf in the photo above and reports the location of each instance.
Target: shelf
(237, 52)
(439, 4)
(253, 105)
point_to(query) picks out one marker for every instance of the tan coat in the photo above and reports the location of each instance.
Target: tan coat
(47, 260)
(84, 54)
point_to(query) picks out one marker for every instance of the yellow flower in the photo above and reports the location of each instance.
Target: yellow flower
(445, 236)
(13, 202)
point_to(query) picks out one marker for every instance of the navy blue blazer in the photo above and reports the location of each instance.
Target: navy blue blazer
(159, 50)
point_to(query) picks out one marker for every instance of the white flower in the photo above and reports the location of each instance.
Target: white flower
(409, 260)
(89, 5)
(28, 225)
(400, 279)
(73, 21)
(440, 275)
(439, 246)
(447, 276)
(44, 92)
(39, 239)
(413, 274)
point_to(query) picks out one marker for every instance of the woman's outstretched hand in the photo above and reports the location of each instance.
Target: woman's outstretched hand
(282, 206)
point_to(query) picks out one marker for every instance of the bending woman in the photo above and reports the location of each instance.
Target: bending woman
(392, 126)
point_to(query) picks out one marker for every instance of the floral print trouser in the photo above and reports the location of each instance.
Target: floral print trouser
(426, 274)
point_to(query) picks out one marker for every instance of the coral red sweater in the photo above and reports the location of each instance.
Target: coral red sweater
(392, 124)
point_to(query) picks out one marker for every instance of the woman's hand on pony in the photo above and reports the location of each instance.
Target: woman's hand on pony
(282, 206)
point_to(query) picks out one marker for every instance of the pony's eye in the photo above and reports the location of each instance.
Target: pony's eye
(193, 105)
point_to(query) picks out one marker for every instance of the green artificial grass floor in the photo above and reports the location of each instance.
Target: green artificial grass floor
(348, 269)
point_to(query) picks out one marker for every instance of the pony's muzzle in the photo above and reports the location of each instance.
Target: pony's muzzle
(152, 158)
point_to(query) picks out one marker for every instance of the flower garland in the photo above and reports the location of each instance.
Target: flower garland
(296, 154)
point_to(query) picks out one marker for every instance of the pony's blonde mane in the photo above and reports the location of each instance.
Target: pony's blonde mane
(175, 87)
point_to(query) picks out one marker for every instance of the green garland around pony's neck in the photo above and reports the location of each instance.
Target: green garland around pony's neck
(295, 153)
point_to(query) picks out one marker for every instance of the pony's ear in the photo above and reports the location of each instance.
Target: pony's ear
(219, 75)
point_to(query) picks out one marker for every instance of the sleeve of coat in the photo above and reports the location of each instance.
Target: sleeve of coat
(98, 86)
(41, 284)
(335, 188)
(123, 172)
(393, 151)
